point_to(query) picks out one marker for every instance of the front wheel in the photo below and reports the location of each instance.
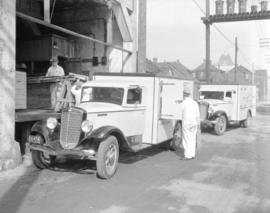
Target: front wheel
(221, 124)
(107, 157)
(41, 160)
(246, 122)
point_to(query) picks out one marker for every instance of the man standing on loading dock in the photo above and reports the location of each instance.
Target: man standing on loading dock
(54, 70)
(190, 125)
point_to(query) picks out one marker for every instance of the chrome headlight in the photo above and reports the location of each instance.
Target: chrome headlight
(51, 123)
(87, 126)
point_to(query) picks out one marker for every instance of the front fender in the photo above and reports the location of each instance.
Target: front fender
(40, 127)
(217, 114)
(93, 140)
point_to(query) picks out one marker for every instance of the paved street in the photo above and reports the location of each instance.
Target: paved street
(231, 174)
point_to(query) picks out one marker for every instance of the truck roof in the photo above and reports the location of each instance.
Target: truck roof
(110, 83)
(136, 75)
(227, 83)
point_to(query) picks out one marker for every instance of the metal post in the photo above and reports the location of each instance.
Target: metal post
(142, 36)
(235, 60)
(207, 42)
(46, 7)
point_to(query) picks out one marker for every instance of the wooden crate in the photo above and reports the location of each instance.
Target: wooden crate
(38, 96)
(42, 48)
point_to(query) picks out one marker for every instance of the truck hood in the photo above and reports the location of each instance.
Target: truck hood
(213, 101)
(96, 107)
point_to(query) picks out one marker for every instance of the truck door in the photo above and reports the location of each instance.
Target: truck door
(171, 97)
(231, 103)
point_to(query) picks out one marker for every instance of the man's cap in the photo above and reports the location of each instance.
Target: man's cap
(187, 90)
(54, 59)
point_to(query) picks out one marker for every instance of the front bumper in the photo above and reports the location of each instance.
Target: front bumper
(77, 153)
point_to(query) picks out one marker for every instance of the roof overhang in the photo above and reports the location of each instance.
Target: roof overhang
(67, 31)
(123, 20)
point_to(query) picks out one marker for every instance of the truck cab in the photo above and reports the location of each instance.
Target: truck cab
(228, 104)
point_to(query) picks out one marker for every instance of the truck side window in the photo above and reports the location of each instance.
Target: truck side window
(134, 96)
(228, 94)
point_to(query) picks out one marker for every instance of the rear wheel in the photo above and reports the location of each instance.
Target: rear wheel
(221, 124)
(246, 122)
(41, 160)
(107, 158)
(176, 141)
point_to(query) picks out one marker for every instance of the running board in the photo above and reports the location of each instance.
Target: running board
(139, 147)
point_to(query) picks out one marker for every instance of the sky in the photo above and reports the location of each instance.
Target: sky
(175, 32)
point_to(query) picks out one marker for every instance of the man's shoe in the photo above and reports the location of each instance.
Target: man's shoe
(185, 158)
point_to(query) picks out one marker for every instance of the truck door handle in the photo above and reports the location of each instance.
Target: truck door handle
(178, 101)
(167, 115)
(103, 114)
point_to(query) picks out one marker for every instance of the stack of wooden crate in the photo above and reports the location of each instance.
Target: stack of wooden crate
(38, 95)
(21, 94)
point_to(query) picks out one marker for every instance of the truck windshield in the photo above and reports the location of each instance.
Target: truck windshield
(102, 94)
(212, 95)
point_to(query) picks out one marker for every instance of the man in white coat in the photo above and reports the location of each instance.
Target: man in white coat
(54, 70)
(190, 125)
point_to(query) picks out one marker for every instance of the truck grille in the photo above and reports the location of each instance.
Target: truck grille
(71, 120)
(203, 106)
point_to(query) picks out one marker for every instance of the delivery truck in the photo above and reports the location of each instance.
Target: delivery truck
(130, 111)
(227, 104)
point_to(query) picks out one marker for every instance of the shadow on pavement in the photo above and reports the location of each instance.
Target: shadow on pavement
(89, 166)
(13, 198)
(131, 157)
(75, 166)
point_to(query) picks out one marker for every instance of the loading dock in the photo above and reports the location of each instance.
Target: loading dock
(87, 36)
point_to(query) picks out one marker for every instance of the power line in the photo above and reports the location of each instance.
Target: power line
(199, 6)
(222, 34)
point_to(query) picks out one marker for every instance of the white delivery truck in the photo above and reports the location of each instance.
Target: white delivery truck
(116, 111)
(227, 104)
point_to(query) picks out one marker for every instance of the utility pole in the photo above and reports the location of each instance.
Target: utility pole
(142, 36)
(207, 42)
(235, 60)
(253, 74)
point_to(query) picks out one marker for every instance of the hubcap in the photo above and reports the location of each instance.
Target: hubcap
(110, 158)
(221, 124)
(45, 158)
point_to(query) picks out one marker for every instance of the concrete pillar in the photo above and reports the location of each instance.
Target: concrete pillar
(9, 149)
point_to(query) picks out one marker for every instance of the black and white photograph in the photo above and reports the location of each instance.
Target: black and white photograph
(134, 106)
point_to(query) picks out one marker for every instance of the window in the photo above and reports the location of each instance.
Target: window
(201, 75)
(103, 94)
(228, 94)
(134, 96)
(212, 95)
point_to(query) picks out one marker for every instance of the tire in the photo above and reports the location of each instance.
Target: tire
(41, 161)
(176, 141)
(107, 158)
(221, 125)
(246, 122)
